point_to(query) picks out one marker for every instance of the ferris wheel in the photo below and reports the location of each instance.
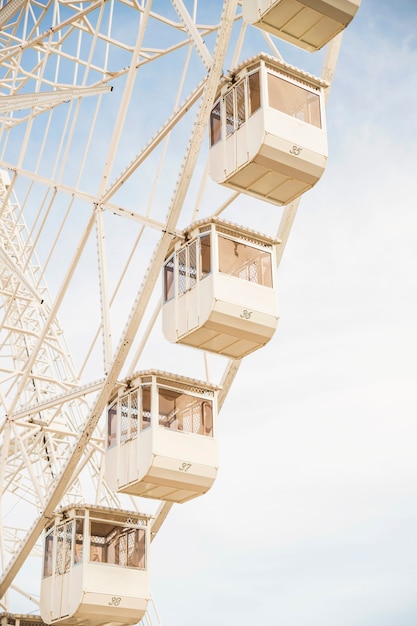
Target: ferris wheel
(147, 193)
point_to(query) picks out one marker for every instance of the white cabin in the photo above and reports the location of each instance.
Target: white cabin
(268, 133)
(95, 567)
(220, 289)
(162, 431)
(308, 24)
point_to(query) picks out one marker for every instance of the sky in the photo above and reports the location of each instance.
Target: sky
(313, 517)
(312, 520)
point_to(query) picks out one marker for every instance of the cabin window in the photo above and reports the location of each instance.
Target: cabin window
(136, 402)
(183, 412)
(182, 271)
(117, 545)
(254, 93)
(125, 422)
(187, 267)
(146, 406)
(294, 100)
(230, 112)
(112, 425)
(169, 285)
(240, 104)
(235, 108)
(61, 538)
(244, 261)
(205, 255)
(63, 547)
(215, 124)
(192, 264)
(128, 417)
(79, 541)
(47, 557)
(207, 407)
(195, 254)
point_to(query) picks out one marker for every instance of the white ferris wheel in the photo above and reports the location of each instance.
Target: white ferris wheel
(152, 158)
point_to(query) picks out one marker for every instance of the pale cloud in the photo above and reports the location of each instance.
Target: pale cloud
(312, 518)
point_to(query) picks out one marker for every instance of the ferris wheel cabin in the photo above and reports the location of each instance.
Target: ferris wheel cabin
(95, 567)
(308, 24)
(162, 437)
(220, 289)
(268, 131)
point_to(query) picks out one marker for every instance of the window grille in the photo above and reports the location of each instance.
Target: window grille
(124, 419)
(63, 548)
(182, 271)
(230, 115)
(134, 411)
(192, 263)
(240, 104)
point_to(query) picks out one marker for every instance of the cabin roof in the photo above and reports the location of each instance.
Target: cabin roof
(227, 225)
(175, 379)
(105, 511)
(274, 63)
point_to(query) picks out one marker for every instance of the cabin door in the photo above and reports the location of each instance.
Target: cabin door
(188, 289)
(236, 148)
(62, 576)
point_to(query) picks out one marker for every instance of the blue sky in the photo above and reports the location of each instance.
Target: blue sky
(313, 518)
